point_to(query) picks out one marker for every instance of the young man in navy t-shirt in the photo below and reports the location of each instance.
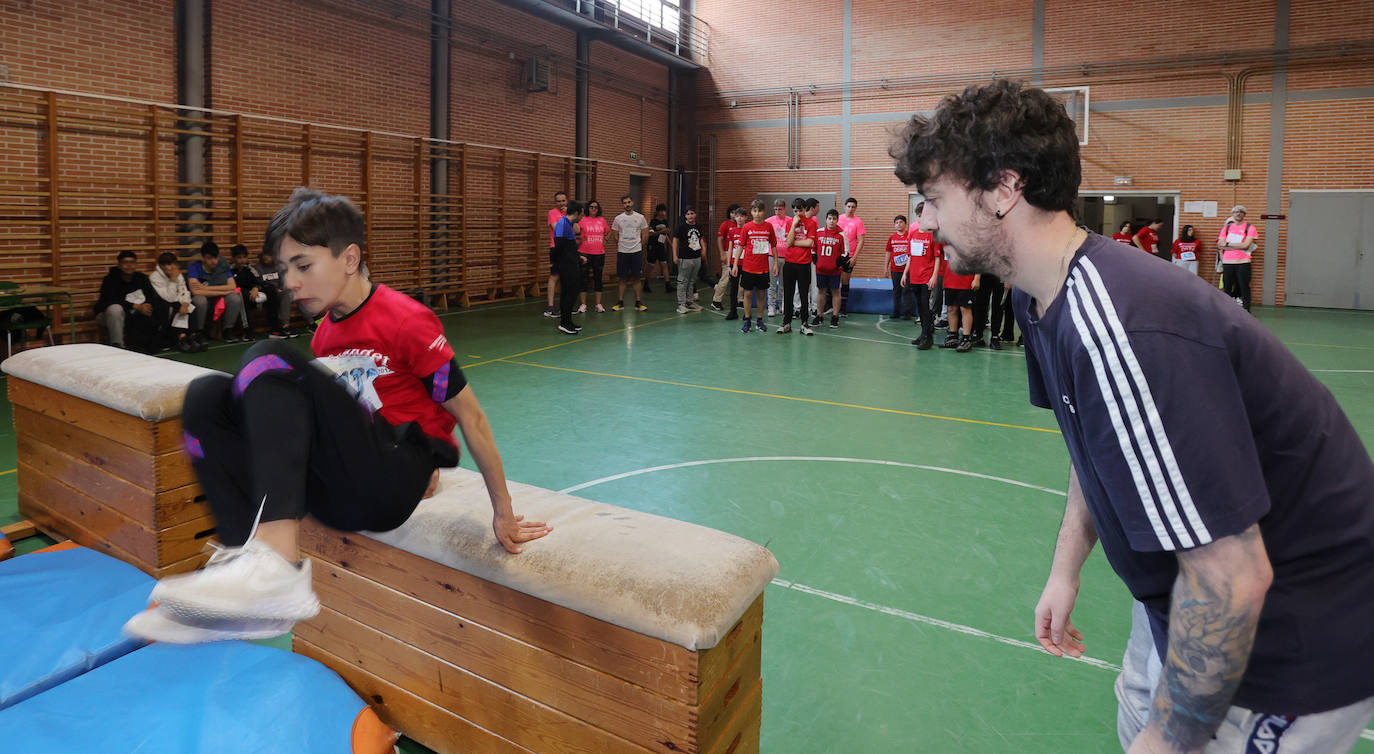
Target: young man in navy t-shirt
(1228, 489)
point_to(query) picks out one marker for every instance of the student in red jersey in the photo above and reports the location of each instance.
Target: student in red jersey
(755, 264)
(813, 208)
(898, 253)
(560, 207)
(1147, 238)
(919, 277)
(734, 248)
(1186, 249)
(1125, 235)
(959, 301)
(354, 438)
(723, 238)
(796, 269)
(831, 244)
(593, 229)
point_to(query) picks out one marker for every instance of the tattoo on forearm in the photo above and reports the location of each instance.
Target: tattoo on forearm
(1211, 633)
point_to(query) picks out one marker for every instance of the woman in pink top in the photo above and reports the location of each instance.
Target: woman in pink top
(1236, 242)
(593, 228)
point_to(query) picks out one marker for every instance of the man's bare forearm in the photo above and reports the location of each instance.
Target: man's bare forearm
(1215, 610)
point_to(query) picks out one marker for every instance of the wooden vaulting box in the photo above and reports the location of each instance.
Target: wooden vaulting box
(620, 632)
(99, 441)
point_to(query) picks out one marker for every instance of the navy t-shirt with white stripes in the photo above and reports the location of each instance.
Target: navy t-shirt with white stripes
(1187, 421)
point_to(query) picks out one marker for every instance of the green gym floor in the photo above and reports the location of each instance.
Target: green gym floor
(911, 498)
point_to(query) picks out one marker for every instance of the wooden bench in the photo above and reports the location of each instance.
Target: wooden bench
(620, 632)
(99, 442)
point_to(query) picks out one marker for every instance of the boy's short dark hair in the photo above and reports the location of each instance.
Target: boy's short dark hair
(975, 135)
(732, 210)
(238, 250)
(575, 208)
(209, 249)
(739, 210)
(899, 217)
(852, 200)
(833, 213)
(167, 257)
(557, 194)
(812, 202)
(626, 196)
(1156, 221)
(126, 254)
(799, 203)
(314, 218)
(758, 204)
(660, 208)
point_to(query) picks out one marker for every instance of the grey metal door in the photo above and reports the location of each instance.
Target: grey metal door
(1327, 234)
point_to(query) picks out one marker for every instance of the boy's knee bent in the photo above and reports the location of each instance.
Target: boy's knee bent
(204, 396)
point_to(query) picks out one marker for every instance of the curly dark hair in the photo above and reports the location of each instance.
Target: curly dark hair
(314, 218)
(974, 136)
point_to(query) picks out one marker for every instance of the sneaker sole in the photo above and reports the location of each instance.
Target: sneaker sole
(212, 613)
(156, 624)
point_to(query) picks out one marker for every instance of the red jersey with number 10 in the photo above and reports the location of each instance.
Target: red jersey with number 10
(382, 351)
(829, 247)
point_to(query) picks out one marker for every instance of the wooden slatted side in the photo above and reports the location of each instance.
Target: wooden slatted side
(153, 438)
(664, 668)
(586, 693)
(421, 720)
(518, 718)
(154, 473)
(67, 508)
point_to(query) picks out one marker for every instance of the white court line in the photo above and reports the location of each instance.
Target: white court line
(830, 459)
(885, 331)
(918, 618)
(1345, 371)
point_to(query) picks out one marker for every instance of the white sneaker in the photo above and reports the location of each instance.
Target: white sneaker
(694, 306)
(252, 582)
(157, 624)
(772, 312)
(806, 330)
(681, 310)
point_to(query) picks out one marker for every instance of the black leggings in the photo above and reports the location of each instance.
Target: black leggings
(1235, 281)
(284, 431)
(922, 293)
(903, 302)
(569, 280)
(988, 307)
(592, 272)
(795, 278)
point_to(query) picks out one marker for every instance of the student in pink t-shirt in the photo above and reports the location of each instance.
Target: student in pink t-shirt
(592, 228)
(853, 227)
(1236, 242)
(781, 224)
(560, 207)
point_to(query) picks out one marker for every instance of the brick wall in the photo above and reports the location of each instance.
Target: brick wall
(343, 66)
(1173, 144)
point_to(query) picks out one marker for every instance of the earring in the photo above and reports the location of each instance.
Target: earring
(998, 213)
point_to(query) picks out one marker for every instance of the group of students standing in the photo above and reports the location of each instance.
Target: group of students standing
(1236, 243)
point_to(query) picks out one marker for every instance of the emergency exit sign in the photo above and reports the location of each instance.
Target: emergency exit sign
(634, 155)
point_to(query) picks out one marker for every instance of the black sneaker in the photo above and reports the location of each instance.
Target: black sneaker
(732, 315)
(978, 342)
(950, 341)
(942, 325)
(567, 330)
(639, 306)
(923, 343)
(717, 306)
(965, 344)
(834, 321)
(815, 320)
(618, 306)
(996, 344)
(762, 327)
(549, 312)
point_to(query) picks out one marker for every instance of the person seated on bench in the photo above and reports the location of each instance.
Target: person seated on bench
(354, 438)
(210, 280)
(272, 277)
(174, 318)
(125, 306)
